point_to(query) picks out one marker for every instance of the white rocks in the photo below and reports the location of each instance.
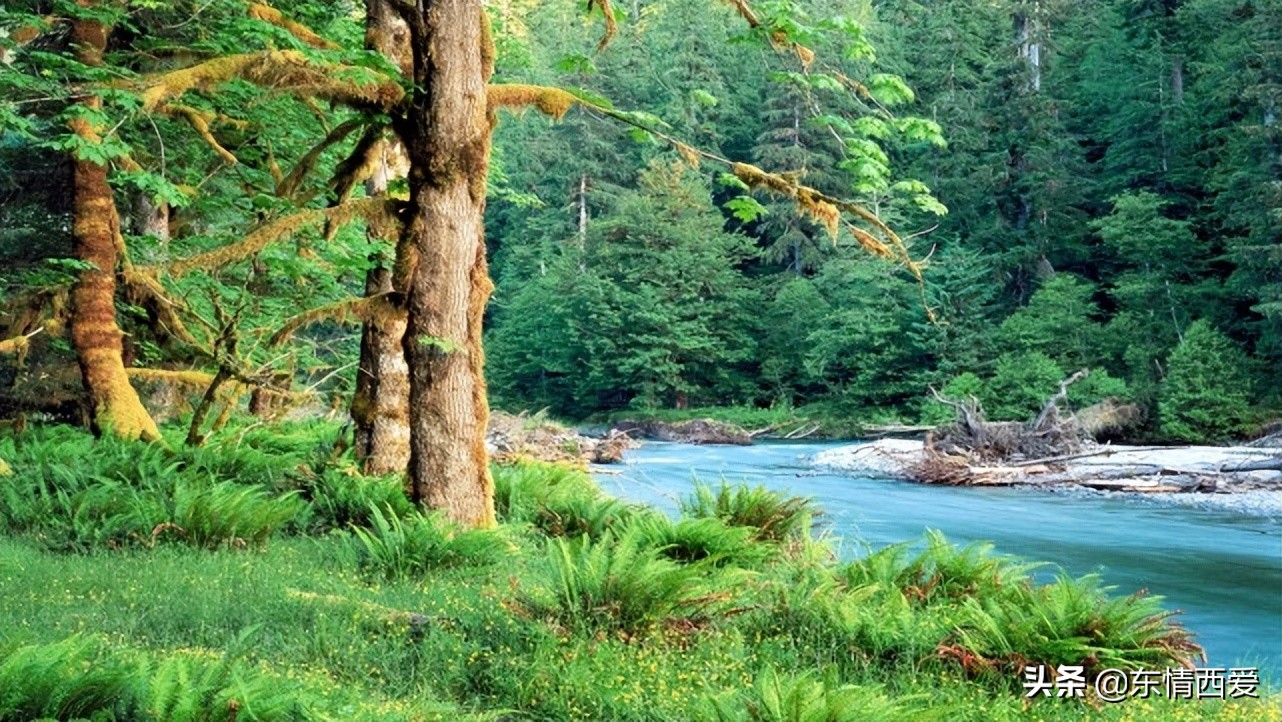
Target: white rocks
(885, 458)
(1148, 469)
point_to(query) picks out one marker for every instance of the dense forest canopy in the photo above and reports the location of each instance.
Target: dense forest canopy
(264, 266)
(1114, 193)
(1080, 185)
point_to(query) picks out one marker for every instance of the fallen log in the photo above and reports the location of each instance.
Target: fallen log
(1259, 465)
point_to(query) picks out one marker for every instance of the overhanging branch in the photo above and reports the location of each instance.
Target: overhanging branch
(370, 209)
(286, 70)
(271, 15)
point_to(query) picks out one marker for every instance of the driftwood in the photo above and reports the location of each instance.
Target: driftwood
(878, 430)
(1049, 434)
(802, 432)
(972, 440)
(1260, 465)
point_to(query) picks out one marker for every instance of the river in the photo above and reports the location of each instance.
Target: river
(1222, 570)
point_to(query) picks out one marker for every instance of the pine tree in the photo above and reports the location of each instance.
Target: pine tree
(669, 320)
(1206, 392)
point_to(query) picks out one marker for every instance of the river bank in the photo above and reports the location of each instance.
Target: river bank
(1219, 566)
(1234, 476)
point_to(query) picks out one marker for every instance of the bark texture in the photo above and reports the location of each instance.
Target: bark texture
(380, 406)
(115, 406)
(442, 251)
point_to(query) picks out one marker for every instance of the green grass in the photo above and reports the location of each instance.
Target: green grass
(360, 611)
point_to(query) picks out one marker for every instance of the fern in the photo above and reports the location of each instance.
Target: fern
(1074, 621)
(621, 583)
(811, 697)
(402, 548)
(63, 680)
(775, 517)
(708, 541)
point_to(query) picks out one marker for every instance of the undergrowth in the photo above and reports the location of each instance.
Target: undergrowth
(579, 607)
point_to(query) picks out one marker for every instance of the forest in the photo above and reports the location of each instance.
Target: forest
(1102, 192)
(266, 269)
(1079, 185)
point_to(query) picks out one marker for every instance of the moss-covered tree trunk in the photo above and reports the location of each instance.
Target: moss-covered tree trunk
(380, 406)
(115, 406)
(447, 138)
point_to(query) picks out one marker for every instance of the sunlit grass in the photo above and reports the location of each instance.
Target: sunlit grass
(580, 608)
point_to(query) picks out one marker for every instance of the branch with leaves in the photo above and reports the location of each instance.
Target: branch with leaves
(825, 209)
(378, 210)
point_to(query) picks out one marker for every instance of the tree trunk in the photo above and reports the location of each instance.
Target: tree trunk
(447, 137)
(115, 406)
(151, 218)
(1030, 49)
(380, 406)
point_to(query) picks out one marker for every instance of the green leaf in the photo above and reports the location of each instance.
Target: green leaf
(576, 63)
(588, 96)
(890, 90)
(730, 180)
(703, 97)
(922, 130)
(746, 208)
(871, 127)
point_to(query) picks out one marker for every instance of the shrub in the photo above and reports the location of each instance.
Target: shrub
(962, 386)
(402, 548)
(825, 619)
(808, 697)
(1096, 387)
(1020, 386)
(708, 541)
(571, 515)
(209, 515)
(74, 679)
(339, 499)
(557, 499)
(1071, 621)
(620, 583)
(76, 494)
(942, 571)
(521, 488)
(774, 516)
(60, 681)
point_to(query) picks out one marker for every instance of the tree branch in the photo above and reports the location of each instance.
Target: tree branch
(288, 186)
(200, 120)
(371, 209)
(352, 308)
(823, 208)
(271, 15)
(286, 70)
(1061, 395)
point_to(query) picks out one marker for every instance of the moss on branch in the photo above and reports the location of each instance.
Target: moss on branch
(288, 71)
(287, 186)
(346, 311)
(550, 101)
(271, 15)
(370, 209)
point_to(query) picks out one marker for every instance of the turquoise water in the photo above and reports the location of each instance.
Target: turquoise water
(1222, 570)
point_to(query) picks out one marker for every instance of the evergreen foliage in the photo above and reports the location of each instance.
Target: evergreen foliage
(1207, 390)
(1087, 180)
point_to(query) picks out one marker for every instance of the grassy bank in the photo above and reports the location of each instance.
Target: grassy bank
(262, 579)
